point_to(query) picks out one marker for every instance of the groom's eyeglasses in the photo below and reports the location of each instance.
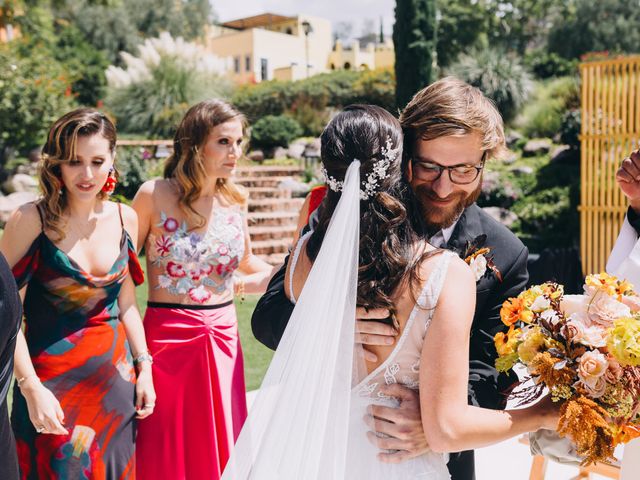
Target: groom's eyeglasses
(461, 174)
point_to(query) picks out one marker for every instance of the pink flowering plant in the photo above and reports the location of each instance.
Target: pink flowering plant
(585, 349)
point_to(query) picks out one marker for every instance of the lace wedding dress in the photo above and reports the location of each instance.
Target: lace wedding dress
(307, 421)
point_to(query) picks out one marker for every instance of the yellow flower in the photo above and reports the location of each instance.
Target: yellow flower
(531, 345)
(624, 341)
(603, 281)
(506, 343)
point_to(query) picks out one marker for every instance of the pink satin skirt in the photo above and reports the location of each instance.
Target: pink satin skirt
(199, 380)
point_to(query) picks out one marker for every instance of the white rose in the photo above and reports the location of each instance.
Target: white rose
(571, 304)
(540, 303)
(478, 266)
(550, 316)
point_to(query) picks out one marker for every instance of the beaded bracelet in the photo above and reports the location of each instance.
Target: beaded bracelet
(143, 357)
(21, 380)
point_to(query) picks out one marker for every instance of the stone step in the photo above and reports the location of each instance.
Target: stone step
(258, 233)
(276, 204)
(267, 192)
(268, 247)
(274, 258)
(272, 218)
(270, 181)
(269, 171)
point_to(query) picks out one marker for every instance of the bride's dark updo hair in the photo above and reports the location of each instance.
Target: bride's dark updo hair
(390, 247)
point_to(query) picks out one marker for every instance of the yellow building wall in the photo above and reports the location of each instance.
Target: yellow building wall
(285, 54)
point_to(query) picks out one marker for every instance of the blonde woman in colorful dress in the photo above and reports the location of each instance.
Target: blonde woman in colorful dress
(78, 392)
(194, 231)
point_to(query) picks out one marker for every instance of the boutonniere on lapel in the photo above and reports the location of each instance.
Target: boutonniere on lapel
(480, 258)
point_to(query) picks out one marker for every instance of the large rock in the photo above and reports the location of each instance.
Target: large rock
(512, 138)
(522, 170)
(21, 182)
(280, 152)
(296, 150)
(297, 189)
(9, 203)
(537, 147)
(256, 156)
(502, 215)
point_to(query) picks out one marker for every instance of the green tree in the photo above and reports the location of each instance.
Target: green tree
(461, 24)
(414, 37)
(34, 91)
(605, 25)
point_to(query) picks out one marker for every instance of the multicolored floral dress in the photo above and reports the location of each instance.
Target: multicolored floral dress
(198, 369)
(80, 351)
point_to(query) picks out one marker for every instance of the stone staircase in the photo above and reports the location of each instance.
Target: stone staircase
(273, 212)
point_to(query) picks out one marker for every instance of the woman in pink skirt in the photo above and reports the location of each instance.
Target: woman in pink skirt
(194, 230)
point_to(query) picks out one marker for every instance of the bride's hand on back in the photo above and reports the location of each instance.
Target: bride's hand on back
(371, 331)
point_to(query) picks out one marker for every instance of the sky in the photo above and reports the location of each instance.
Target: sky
(353, 11)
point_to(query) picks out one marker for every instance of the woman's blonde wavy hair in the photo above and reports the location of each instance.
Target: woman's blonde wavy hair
(185, 165)
(60, 148)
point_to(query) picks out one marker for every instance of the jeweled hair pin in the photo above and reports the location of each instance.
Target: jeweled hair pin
(370, 184)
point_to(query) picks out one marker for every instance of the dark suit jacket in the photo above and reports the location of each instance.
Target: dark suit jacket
(10, 317)
(486, 385)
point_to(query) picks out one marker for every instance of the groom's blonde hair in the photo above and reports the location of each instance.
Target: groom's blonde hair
(451, 107)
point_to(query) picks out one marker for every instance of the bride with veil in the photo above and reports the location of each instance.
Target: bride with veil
(310, 418)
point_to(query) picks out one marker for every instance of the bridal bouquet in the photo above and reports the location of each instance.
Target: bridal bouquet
(586, 350)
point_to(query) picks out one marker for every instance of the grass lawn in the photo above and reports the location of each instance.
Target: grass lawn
(256, 355)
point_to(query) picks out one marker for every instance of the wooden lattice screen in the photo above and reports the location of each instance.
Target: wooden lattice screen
(610, 130)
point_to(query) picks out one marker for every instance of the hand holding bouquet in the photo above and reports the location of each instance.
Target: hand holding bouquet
(586, 350)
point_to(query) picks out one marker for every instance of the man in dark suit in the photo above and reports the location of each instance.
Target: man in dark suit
(450, 129)
(10, 317)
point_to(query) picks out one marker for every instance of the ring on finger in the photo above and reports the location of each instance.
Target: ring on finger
(40, 429)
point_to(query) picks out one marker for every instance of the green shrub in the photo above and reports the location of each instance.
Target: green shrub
(34, 92)
(546, 65)
(135, 165)
(150, 97)
(274, 131)
(570, 128)
(498, 75)
(310, 101)
(543, 115)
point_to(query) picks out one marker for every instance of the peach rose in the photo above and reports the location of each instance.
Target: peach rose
(595, 390)
(614, 371)
(605, 309)
(631, 301)
(593, 365)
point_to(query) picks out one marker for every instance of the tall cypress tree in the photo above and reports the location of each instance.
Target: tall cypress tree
(414, 38)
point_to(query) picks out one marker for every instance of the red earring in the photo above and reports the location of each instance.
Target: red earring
(110, 185)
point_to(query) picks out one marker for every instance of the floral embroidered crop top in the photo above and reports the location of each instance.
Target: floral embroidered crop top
(196, 264)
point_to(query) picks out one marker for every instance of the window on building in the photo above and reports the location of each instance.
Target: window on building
(247, 63)
(264, 72)
(347, 66)
(333, 67)
(289, 31)
(236, 64)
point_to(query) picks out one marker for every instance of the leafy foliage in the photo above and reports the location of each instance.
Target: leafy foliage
(274, 131)
(34, 92)
(499, 76)
(610, 25)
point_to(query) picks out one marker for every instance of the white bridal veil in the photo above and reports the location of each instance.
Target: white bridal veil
(298, 426)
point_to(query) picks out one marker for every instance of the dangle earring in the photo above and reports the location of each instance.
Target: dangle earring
(60, 184)
(110, 185)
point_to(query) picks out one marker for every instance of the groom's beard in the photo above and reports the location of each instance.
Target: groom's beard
(437, 217)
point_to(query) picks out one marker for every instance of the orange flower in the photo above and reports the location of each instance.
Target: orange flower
(626, 433)
(513, 310)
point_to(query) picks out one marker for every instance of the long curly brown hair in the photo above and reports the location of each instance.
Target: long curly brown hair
(60, 148)
(185, 164)
(391, 251)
